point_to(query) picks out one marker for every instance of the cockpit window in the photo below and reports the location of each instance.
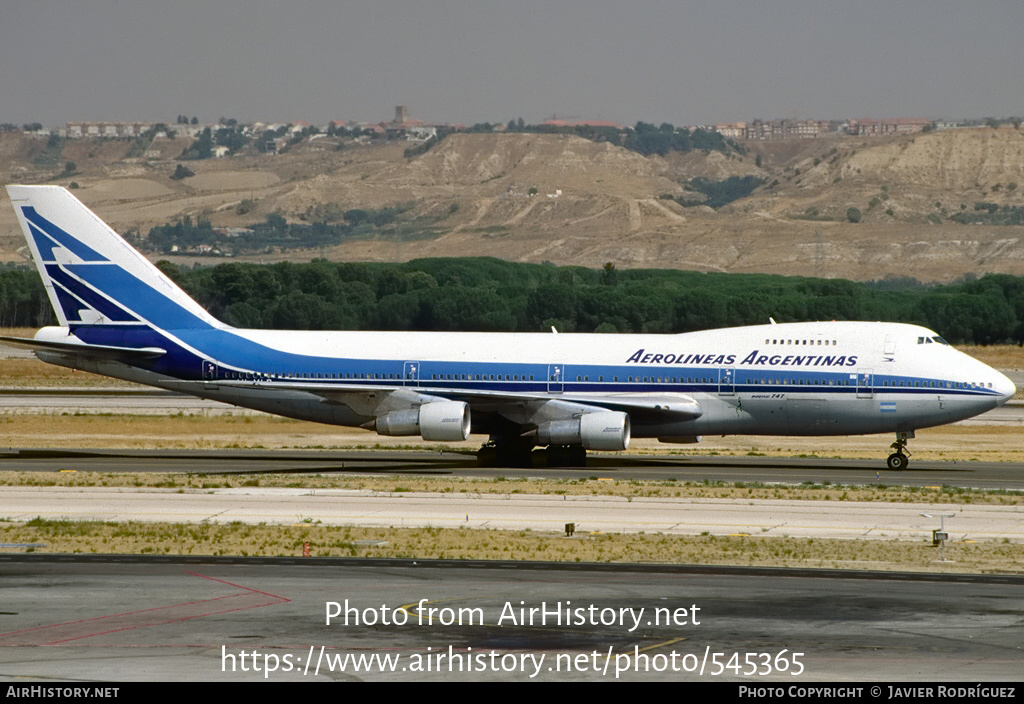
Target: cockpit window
(940, 340)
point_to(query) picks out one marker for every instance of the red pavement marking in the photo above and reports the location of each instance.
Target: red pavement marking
(58, 633)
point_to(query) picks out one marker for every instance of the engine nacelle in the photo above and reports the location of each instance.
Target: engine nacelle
(607, 430)
(440, 420)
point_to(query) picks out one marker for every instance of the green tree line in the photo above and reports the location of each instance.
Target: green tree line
(484, 294)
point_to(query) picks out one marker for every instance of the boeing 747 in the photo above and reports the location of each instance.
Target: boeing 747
(122, 317)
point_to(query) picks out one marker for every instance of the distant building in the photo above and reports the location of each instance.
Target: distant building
(405, 127)
(94, 130)
(732, 130)
(556, 122)
(420, 133)
(904, 125)
(233, 231)
(783, 129)
(892, 125)
(865, 126)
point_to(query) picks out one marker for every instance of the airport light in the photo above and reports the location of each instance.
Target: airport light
(939, 537)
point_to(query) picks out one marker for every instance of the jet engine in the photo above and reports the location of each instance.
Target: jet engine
(439, 420)
(605, 430)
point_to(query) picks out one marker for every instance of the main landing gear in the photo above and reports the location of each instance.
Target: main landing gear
(516, 453)
(506, 453)
(566, 456)
(898, 460)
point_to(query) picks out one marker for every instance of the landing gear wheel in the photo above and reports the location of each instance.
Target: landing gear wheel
(487, 456)
(566, 456)
(897, 462)
(505, 455)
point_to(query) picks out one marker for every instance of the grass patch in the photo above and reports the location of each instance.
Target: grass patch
(592, 486)
(589, 486)
(462, 543)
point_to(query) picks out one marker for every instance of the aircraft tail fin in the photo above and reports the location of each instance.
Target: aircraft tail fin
(92, 276)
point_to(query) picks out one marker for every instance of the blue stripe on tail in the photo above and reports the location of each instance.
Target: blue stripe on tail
(150, 305)
(64, 284)
(54, 236)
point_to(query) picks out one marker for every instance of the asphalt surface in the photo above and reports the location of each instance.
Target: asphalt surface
(987, 475)
(142, 619)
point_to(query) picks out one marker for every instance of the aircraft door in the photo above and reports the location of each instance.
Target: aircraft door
(890, 346)
(209, 370)
(556, 378)
(411, 374)
(865, 381)
(726, 382)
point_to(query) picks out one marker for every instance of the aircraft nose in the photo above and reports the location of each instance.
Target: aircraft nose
(1004, 387)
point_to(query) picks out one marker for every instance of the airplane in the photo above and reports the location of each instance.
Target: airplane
(120, 316)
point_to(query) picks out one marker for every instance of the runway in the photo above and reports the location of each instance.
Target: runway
(512, 511)
(796, 470)
(145, 619)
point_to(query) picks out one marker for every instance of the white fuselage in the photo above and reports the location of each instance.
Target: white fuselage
(832, 378)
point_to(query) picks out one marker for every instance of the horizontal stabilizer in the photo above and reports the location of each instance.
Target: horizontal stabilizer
(83, 350)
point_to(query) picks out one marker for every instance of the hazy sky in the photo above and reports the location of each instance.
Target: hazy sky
(474, 61)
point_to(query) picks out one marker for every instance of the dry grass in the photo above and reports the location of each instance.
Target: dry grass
(588, 486)
(1006, 357)
(20, 369)
(428, 543)
(178, 431)
(28, 373)
(339, 541)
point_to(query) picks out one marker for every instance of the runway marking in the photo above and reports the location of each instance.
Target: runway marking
(58, 633)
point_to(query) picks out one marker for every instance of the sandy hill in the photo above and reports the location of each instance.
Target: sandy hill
(568, 200)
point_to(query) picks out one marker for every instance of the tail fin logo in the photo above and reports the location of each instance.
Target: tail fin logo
(93, 277)
(48, 237)
(59, 249)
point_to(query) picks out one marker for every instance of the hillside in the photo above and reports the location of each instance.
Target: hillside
(560, 198)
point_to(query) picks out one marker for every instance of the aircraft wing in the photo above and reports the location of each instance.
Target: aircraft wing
(373, 400)
(105, 352)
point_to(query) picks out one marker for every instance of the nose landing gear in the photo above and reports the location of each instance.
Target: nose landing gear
(898, 460)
